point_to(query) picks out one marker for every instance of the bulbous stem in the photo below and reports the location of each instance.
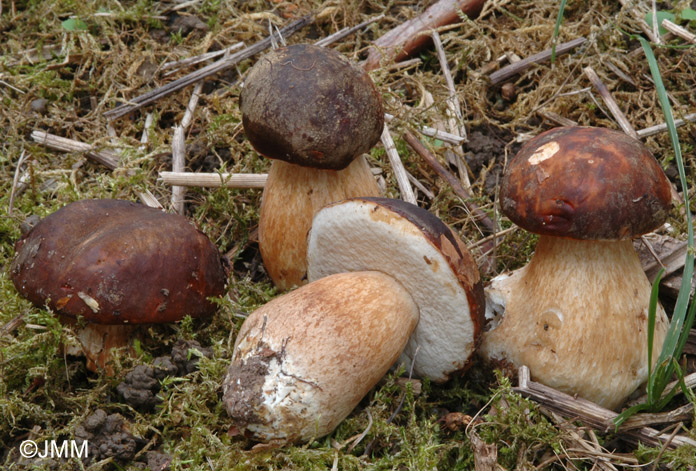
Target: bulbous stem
(577, 316)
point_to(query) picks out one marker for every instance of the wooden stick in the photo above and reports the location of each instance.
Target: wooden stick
(678, 31)
(338, 35)
(455, 118)
(15, 181)
(689, 380)
(610, 102)
(214, 180)
(398, 167)
(663, 127)
(207, 71)
(556, 118)
(402, 41)
(679, 414)
(429, 194)
(178, 165)
(179, 148)
(451, 179)
(591, 414)
(453, 104)
(432, 132)
(176, 65)
(513, 69)
(105, 157)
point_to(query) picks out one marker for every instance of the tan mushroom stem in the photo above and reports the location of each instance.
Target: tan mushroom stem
(98, 341)
(302, 362)
(292, 196)
(577, 316)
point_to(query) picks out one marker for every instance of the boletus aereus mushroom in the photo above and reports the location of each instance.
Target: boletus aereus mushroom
(314, 113)
(577, 313)
(113, 264)
(424, 255)
(303, 361)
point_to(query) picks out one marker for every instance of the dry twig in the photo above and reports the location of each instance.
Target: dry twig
(402, 41)
(678, 31)
(453, 181)
(610, 102)
(214, 180)
(520, 66)
(591, 414)
(398, 167)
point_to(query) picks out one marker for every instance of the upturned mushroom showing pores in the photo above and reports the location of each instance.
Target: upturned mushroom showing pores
(115, 264)
(425, 256)
(577, 314)
(302, 362)
(315, 114)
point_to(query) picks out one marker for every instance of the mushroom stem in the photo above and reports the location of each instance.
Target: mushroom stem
(577, 316)
(303, 361)
(291, 197)
(98, 341)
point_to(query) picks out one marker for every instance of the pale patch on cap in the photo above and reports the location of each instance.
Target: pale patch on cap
(544, 152)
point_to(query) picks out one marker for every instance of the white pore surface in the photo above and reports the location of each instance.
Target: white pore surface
(361, 235)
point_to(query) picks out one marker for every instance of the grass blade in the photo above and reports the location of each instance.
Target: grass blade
(652, 315)
(556, 29)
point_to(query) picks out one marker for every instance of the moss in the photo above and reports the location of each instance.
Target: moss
(49, 394)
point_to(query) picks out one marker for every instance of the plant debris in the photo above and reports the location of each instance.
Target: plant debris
(75, 73)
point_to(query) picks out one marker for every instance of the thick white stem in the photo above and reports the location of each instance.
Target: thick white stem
(577, 316)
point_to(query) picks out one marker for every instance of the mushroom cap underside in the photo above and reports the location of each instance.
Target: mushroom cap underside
(425, 256)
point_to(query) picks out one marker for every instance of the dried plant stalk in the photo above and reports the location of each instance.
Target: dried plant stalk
(398, 167)
(453, 181)
(408, 37)
(520, 66)
(228, 180)
(106, 158)
(602, 89)
(591, 414)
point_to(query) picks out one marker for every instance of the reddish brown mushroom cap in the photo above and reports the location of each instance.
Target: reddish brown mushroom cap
(310, 106)
(116, 262)
(585, 183)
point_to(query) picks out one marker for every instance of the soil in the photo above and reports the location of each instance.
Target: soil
(163, 408)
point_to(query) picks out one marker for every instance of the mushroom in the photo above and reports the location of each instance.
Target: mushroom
(422, 254)
(315, 114)
(302, 362)
(114, 264)
(577, 313)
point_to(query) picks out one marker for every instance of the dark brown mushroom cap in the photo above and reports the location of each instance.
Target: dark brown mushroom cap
(310, 106)
(116, 262)
(585, 183)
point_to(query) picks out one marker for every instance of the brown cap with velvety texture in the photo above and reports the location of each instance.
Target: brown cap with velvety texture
(116, 262)
(310, 106)
(585, 183)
